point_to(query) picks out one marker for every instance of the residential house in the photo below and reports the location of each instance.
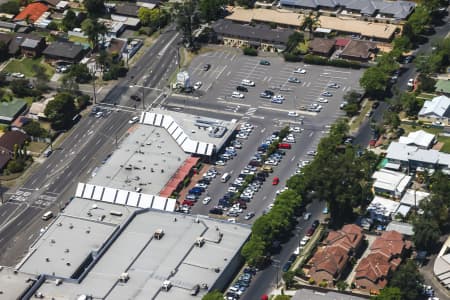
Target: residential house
(390, 182)
(306, 293)
(382, 209)
(378, 9)
(10, 110)
(258, 36)
(341, 43)
(26, 44)
(148, 3)
(414, 158)
(6, 26)
(421, 139)
(126, 9)
(64, 51)
(116, 47)
(441, 267)
(436, 111)
(350, 238)
(322, 47)
(359, 50)
(327, 264)
(8, 142)
(443, 87)
(31, 13)
(114, 28)
(386, 254)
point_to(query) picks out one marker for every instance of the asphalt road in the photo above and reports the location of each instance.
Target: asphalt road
(52, 184)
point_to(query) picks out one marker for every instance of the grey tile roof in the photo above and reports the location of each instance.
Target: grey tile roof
(30, 43)
(399, 9)
(63, 49)
(253, 33)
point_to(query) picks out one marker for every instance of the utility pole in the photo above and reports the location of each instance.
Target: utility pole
(93, 85)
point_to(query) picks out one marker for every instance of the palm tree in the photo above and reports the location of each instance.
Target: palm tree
(93, 29)
(311, 22)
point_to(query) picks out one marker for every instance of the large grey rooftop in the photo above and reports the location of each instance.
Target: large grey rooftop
(146, 159)
(14, 283)
(148, 261)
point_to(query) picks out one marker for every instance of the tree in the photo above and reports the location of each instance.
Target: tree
(294, 39)
(402, 43)
(310, 23)
(374, 81)
(289, 279)
(11, 7)
(4, 52)
(60, 111)
(342, 285)
(21, 88)
(33, 128)
(419, 19)
(185, 20)
(210, 9)
(408, 280)
(155, 18)
(246, 3)
(282, 297)
(80, 72)
(427, 84)
(426, 233)
(391, 118)
(411, 105)
(254, 250)
(214, 295)
(94, 7)
(70, 20)
(42, 78)
(93, 29)
(15, 165)
(389, 293)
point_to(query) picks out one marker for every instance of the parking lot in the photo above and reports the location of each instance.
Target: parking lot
(300, 91)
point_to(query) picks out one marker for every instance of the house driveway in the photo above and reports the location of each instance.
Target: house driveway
(370, 239)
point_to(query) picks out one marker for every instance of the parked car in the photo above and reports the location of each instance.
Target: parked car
(135, 98)
(247, 82)
(206, 67)
(133, 120)
(293, 114)
(293, 80)
(333, 85)
(206, 200)
(327, 94)
(264, 62)
(197, 85)
(300, 71)
(275, 181)
(249, 215)
(241, 88)
(237, 95)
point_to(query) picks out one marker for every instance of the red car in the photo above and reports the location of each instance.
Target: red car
(284, 146)
(275, 181)
(310, 231)
(188, 202)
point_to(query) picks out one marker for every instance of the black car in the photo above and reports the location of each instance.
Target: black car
(286, 266)
(241, 88)
(206, 67)
(135, 98)
(216, 211)
(315, 224)
(375, 104)
(292, 258)
(268, 94)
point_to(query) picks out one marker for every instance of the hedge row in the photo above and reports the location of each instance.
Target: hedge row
(341, 63)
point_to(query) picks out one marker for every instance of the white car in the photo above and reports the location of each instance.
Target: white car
(279, 98)
(411, 82)
(322, 100)
(237, 95)
(232, 220)
(18, 75)
(333, 85)
(206, 200)
(220, 163)
(300, 71)
(247, 82)
(133, 120)
(296, 129)
(197, 85)
(293, 114)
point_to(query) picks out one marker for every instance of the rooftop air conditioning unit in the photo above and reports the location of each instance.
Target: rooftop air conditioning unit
(166, 285)
(159, 233)
(124, 277)
(200, 241)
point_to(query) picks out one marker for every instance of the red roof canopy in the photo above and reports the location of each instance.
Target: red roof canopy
(342, 42)
(179, 176)
(34, 11)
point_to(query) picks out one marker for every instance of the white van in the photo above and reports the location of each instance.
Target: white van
(225, 177)
(47, 216)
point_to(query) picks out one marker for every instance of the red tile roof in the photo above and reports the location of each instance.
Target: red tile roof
(34, 11)
(329, 259)
(348, 238)
(390, 244)
(374, 267)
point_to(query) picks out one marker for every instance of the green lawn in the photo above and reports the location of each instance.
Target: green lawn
(432, 130)
(80, 40)
(446, 141)
(25, 66)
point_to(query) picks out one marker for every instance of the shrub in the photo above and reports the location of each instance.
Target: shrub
(291, 57)
(340, 63)
(250, 51)
(311, 281)
(323, 284)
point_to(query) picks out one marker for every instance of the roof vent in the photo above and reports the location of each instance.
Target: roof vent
(124, 277)
(200, 241)
(166, 285)
(58, 282)
(159, 233)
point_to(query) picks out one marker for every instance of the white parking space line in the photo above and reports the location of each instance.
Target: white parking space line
(337, 71)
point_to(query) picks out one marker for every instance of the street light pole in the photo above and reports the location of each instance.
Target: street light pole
(143, 98)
